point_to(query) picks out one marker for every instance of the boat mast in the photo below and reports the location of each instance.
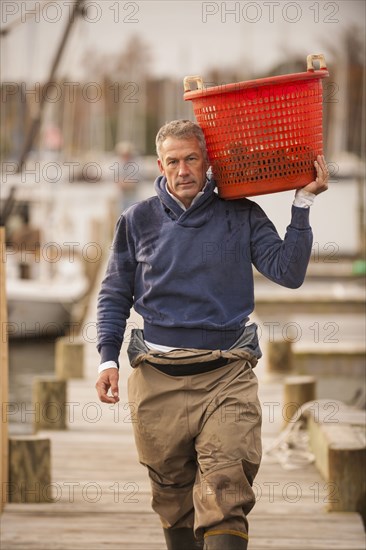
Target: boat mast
(36, 123)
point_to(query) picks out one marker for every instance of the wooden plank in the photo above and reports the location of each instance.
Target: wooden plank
(267, 305)
(115, 531)
(340, 361)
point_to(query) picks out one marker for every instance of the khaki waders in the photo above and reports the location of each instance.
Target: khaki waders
(199, 437)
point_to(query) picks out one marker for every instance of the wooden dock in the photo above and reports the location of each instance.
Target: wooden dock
(102, 495)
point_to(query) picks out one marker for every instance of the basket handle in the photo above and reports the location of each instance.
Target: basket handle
(187, 83)
(315, 56)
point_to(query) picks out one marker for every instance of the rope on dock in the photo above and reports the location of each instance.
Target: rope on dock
(291, 448)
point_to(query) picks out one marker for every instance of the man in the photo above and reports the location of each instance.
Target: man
(184, 259)
(128, 175)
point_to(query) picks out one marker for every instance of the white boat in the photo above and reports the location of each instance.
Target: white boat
(49, 274)
(40, 308)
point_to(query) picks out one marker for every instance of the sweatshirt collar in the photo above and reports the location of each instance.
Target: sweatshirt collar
(193, 216)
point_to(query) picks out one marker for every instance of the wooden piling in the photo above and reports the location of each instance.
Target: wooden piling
(69, 359)
(4, 375)
(29, 470)
(49, 402)
(338, 444)
(280, 357)
(297, 391)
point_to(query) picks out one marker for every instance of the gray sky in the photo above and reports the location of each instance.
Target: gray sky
(186, 37)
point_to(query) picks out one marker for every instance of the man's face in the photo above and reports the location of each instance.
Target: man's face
(184, 166)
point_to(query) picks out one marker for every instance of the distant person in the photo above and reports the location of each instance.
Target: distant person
(184, 259)
(128, 174)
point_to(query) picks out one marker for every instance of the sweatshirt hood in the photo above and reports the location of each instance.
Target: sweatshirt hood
(197, 214)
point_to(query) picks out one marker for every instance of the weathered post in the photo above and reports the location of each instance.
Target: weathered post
(49, 401)
(30, 469)
(69, 359)
(280, 357)
(297, 391)
(4, 375)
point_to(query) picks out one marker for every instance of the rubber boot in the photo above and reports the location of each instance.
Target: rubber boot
(182, 539)
(225, 542)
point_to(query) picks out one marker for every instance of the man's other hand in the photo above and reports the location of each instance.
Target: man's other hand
(322, 177)
(108, 379)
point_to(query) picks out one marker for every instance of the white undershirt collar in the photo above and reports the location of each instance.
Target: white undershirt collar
(199, 194)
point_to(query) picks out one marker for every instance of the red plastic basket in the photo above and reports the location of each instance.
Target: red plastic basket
(262, 135)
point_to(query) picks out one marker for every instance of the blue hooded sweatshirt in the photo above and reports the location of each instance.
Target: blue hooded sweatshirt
(189, 273)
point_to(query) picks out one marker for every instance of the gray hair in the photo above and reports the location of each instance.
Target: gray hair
(181, 129)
